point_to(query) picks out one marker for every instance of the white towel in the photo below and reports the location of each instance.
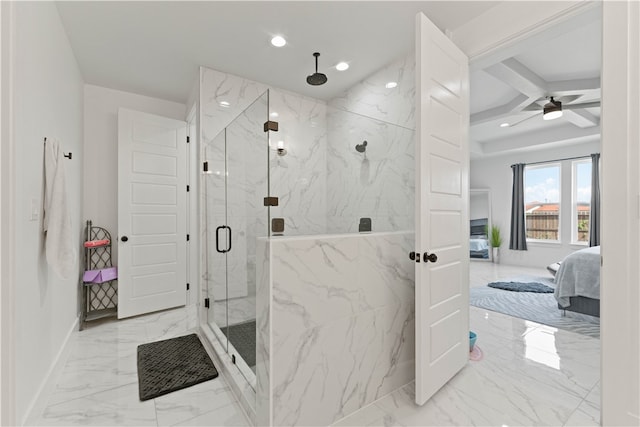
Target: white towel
(60, 250)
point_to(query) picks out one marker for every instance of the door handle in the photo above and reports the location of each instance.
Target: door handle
(412, 256)
(222, 251)
(430, 257)
(218, 239)
(124, 238)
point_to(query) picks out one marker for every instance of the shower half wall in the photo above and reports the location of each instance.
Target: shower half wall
(325, 294)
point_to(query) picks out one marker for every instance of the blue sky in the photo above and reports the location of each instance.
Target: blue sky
(543, 184)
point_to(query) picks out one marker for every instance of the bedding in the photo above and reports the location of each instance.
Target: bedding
(578, 275)
(478, 244)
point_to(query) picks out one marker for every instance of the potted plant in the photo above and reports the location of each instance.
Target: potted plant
(495, 240)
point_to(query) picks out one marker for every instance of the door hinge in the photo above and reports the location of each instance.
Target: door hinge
(271, 201)
(206, 302)
(188, 188)
(270, 125)
(205, 166)
(233, 358)
(187, 286)
(188, 237)
(188, 139)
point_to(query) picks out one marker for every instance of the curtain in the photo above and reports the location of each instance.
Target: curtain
(594, 217)
(518, 236)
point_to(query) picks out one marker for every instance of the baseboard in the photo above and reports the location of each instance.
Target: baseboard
(39, 401)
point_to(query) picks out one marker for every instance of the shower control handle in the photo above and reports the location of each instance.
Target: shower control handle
(430, 257)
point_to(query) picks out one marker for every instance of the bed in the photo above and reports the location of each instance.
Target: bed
(578, 282)
(478, 242)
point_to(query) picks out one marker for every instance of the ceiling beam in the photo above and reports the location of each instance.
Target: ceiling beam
(519, 77)
(574, 87)
(502, 112)
(581, 118)
(565, 133)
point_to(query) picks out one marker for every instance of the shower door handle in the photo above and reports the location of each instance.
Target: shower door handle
(229, 248)
(222, 251)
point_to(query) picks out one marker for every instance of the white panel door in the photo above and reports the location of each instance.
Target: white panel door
(442, 212)
(152, 213)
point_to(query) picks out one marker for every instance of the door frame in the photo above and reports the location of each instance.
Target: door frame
(193, 206)
(7, 219)
(620, 26)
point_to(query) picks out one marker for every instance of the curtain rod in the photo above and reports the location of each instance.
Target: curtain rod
(559, 160)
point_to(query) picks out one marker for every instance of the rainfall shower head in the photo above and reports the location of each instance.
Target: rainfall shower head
(361, 148)
(316, 79)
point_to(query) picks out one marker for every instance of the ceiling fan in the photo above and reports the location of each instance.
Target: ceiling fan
(551, 107)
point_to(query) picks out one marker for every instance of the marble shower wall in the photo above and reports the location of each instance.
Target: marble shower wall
(380, 183)
(342, 324)
(298, 178)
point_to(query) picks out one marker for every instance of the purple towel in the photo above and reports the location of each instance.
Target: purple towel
(100, 276)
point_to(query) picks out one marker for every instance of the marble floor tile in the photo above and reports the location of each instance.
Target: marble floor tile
(192, 402)
(99, 384)
(588, 413)
(119, 406)
(530, 374)
(229, 415)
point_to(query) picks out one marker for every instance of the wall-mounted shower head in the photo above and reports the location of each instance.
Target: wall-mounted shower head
(361, 148)
(317, 79)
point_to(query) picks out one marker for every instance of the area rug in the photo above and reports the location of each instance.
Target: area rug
(540, 308)
(170, 365)
(522, 287)
(243, 338)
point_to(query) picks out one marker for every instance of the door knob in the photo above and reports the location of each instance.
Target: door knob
(412, 256)
(124, 238)
(430, 257)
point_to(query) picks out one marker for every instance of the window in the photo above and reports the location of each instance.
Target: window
(581, 201)
(542, 202)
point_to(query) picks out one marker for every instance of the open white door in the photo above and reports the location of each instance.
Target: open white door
(442, 212)
(152, 211)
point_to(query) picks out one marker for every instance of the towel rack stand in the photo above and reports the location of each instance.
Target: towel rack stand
(68, 156)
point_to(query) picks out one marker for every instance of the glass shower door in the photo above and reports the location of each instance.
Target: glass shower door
(239, 218)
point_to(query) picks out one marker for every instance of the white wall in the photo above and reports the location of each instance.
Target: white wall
(101, 148)
(495, 174)
(47, 103)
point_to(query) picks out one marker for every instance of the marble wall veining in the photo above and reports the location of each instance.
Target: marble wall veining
(371, 98)
(377, 184)
(341, 318)
(297, 179)
(380, 183)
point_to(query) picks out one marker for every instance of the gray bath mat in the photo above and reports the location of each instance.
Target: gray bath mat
(243, 338)
(538, 288)
(173, 364)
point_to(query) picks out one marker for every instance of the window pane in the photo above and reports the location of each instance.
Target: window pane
(542, 202)
(581, 201)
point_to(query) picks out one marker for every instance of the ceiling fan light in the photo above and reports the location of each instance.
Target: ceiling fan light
(552, 110)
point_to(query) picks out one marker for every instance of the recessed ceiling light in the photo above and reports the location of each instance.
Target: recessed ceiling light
(504, 125)
(341, 66)
(274, 114)
(391, 85)
(224, 104)
(278, 41)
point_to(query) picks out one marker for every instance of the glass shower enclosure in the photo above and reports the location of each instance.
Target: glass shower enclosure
(236, 182)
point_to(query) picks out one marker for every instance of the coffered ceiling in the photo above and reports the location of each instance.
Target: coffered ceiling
(512, 92)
